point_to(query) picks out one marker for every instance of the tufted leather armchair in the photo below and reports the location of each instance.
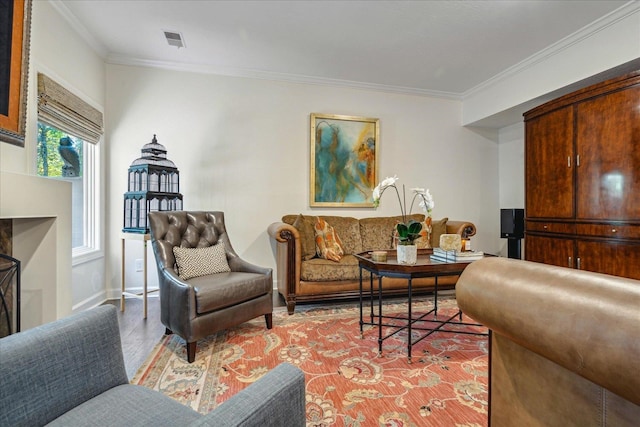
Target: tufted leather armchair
(201, 306)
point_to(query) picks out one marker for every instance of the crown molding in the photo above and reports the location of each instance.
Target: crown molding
(610, 19)
(79, 27)
(595, 27)
(117, 59)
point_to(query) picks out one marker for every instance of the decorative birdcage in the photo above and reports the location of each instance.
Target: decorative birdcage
(154, 185)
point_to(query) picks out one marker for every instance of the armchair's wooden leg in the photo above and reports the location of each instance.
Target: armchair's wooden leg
(269, 319)
(168, 331)
(191, 351)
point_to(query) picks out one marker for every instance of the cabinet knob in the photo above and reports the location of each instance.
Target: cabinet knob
(545, 226)
(613, 230)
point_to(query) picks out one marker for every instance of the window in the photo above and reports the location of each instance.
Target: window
(61, 156)
(68, 132)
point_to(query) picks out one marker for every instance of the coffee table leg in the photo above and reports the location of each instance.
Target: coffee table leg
(361, 323)
(410, 320)
(371, 298)
(379, 315)
(435, 298)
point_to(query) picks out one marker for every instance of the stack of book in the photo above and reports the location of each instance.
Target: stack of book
(456, 256)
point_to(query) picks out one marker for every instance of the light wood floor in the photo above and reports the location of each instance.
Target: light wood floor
(138, 335)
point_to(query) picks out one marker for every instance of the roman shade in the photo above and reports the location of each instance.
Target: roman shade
(62, 109)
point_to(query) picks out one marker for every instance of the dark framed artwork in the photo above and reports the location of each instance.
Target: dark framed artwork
(344, 160)
(15, 25)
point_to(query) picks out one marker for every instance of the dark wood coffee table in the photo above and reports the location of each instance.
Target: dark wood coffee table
(424, 267)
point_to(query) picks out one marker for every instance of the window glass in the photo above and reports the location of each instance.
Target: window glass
(61, 156)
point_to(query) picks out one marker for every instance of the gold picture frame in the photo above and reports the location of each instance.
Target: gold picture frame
(344, 160)
(15, 29)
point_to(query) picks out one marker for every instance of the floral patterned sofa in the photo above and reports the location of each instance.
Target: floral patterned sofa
(304, 276)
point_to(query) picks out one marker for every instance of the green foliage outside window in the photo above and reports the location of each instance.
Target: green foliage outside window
(50, 162)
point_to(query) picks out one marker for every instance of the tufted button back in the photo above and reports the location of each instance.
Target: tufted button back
(186, 229)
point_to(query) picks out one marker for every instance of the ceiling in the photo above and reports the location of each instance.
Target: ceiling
(441, 48)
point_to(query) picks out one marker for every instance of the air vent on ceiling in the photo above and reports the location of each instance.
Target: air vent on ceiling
(174, 38)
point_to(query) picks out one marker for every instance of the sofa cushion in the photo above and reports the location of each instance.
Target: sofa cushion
(381, 232)
(228, 289)
(322, 270)
(304, 225)
(328, 244)
(128, 405)
(348, 229)
(424, 241)
(195, 262)
(437, 229)
(377, 232)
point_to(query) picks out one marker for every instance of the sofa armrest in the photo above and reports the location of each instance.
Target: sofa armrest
(585, 322)
(276, 399)
(463, 228)
(48, 370)
(283, 232)
(288, 259)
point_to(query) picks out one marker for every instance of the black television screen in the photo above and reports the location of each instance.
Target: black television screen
(512, 223)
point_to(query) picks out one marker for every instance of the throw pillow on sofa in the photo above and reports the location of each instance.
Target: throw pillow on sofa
(195, 262)
(304, 225)
(437, 229)
(424, 241)
(328, 244)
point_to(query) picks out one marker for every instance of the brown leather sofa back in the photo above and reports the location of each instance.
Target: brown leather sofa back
(565, 344)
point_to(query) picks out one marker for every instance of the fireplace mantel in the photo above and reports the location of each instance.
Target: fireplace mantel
(40, 210)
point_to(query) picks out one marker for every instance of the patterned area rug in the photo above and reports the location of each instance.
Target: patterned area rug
(347, 382)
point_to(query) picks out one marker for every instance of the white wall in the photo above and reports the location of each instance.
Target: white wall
(511, 171)
(58, 51)
(242, 146)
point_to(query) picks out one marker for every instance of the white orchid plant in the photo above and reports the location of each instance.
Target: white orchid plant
(408, 231)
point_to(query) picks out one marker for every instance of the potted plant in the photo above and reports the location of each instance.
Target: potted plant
(408, 230)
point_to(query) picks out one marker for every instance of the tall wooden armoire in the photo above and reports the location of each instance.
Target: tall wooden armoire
(582, 179)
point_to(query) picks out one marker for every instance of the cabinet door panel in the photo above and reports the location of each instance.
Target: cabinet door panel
(599, 257)
(549, 250)
(608, 143)
(549, 165)
(628, 257)
(618, 259)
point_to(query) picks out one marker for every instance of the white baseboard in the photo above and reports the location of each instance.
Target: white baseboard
(93, 301)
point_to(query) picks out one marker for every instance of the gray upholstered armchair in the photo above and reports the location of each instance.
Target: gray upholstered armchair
(205, 290)
(71, 373)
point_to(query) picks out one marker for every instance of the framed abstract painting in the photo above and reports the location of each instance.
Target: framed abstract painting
(344, 160)
(15, 24)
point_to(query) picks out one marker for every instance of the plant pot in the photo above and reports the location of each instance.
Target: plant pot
(407, 254)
